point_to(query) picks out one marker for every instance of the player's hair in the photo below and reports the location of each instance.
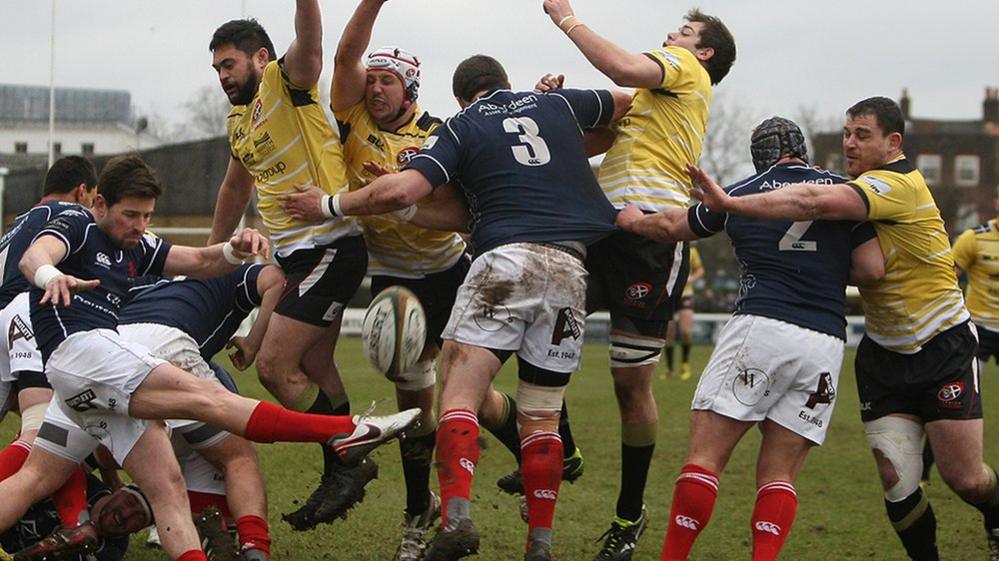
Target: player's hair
(68, 173)
(886, 112)
(128, 176)
(716, 36)
(478, 73)
(245, 34)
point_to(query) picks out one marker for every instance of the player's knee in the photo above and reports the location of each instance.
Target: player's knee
(31, 420)
(417, 377)
(630, 351)
(897, 444)
(970, 484)
(538, 407)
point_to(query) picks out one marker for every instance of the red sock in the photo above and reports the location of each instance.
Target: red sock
(457, 455)
(541, 467)
(693, 501)
(13, 457)
(254, 533)
(201, 501)
(272, 423)
(71, 499)
(193, 555)
(776, 506)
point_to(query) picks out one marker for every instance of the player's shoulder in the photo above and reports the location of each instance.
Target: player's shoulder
(982, 229)
(677, 57)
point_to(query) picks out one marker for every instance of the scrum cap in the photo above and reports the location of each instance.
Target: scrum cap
(774, 139)
(399, 62)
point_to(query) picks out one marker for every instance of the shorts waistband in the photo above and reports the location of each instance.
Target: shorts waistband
(574, 249)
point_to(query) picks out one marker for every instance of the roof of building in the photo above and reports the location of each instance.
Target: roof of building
(29, 106)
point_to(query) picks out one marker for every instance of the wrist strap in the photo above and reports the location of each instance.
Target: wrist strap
(229, 253)
(45, 274)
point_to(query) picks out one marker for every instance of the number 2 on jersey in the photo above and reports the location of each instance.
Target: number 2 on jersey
(792, 238)
(536, 152)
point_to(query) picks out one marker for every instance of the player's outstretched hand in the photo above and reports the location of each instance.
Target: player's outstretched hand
(628, 217)
(243, 353)
(60, 289)
(706, 190)
(305, 204)
(558, 10)
(250, 242)
(549, 82)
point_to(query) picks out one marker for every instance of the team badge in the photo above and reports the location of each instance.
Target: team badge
(406, 155)
(636, 293)
(751, 385)
(824, 392)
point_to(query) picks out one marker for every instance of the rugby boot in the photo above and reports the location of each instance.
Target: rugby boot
(347, 485)
(4, 556)
(153, 538)
(253, 554)
(371, 432)
(456, 543)
(621, 538)
(414, 531)
(993, 537)
(216, 541)
(685, 372)
(572, 469)
(62, 543)
(538, 551)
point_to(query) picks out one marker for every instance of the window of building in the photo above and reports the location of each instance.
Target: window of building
(87, 148)
(930, 166)
(966, 170)
(20, 147)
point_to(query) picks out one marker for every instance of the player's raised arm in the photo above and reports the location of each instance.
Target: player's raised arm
(217, 259)
(349, 76)
(234, 195)
(666, 226)
(303, 62)
(624, 68)
(38, 265)
(270, 283)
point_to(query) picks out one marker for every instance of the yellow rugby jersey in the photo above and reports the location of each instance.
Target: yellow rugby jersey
(977, 252)
(662, 133)
(283, 137)
(919, 296)
(395, 248)
(695, 263)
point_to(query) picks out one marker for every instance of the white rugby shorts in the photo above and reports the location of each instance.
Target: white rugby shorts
(527, 298)
(18, 348)
(763, 368)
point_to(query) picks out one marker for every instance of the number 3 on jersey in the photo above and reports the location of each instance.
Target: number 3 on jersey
(534, 151)
(792, 238)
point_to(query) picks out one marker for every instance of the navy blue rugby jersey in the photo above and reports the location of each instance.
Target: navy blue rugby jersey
(791, 271)
(520, 160)
(90, 254)
(15, 242)
(209, 310)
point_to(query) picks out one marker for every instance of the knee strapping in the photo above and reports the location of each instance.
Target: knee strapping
(900, 441)
(32, 417)
(417, 377)
(538, 403)
(630, 350)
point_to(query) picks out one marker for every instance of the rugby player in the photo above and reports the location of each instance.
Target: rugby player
(638, 280)
(777, 360)
(976, 253)
(683, 321)
(916, 368)
(525, 290)
(107, 385)
(279, 136)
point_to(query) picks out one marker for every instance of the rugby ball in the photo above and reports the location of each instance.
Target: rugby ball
(394, 331)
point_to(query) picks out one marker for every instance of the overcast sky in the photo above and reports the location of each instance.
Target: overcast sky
(821, 53)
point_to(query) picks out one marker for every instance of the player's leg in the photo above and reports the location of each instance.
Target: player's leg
(40, 476)
(782, 455)
(669, 350)
(685, 330)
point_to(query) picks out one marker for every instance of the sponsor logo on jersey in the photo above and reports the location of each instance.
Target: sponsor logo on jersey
(376, 142)
(270, 172)
(19, 329)
(634, 294)
(103, 260)
(773, 185)
(406, 155)
(949, 396)
(876, 185)
(669, 57)
(566, 325)
(686, 522)
(81, 401)
(263, 145)
(548, 494)
(768, 527)
(824, 392)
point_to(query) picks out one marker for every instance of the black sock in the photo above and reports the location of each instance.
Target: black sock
(685, 352)
(635, 461)
(927, 460)
(915, 525)
(417, 452)
(565, 431)
(322, 406)
(669, 357)
(507, 432)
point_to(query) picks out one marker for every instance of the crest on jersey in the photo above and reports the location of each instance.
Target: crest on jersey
(103, 260)
(949, 396)
(636, 293)
(258, 108)
(406, 155)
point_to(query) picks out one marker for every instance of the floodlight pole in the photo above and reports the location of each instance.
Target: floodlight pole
(52, 86)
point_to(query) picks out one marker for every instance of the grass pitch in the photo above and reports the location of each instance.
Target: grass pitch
(840, 514)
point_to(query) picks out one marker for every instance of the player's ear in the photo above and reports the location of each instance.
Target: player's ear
(895, 141)
(705, 53)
